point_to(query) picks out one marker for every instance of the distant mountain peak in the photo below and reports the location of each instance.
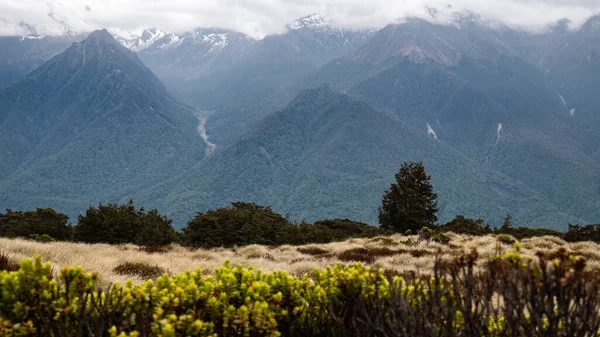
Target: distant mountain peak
(103, 35)
(592, 25)
(150, 37)
(310, 21)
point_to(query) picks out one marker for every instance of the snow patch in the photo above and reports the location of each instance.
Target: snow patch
(313, 21)
(498, 131)
(431, 131)
(562, 99)
(33, 37)
(150, 37)
(210, 147)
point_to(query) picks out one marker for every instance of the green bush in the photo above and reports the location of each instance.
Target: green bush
(335, 301)
(42, 221)
(462, 225)
(577, 233)
(507, 239)
(241, 224)
(41, 238)
(116, 224)
(325, 231)
(526, 232)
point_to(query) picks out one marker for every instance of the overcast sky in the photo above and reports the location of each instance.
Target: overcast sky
(259, 17)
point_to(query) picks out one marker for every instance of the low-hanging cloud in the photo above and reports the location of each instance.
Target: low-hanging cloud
(260, 17)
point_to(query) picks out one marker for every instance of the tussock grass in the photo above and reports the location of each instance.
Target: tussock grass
(7, 264)
(140, 269)
(395, 254)
(312, 250)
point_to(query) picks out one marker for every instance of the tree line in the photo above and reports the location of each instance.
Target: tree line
(408, 206)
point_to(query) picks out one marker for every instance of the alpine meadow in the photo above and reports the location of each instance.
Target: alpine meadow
(300, 168)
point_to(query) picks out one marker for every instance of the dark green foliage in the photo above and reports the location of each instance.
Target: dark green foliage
(410, 202)
(42, 221)
(433, 234)
(41, 238)
(92, 124)
(462, 225)
(240, 224)
(247, 223)
(526, 232)
(578, 233)
(7, 264)
(141, 269)
(114, 224)
(506, 224)
(440, 237)
(325, 231)
(506, 239)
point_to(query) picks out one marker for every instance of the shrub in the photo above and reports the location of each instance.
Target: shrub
(41, 238)
(325, 231)
(312, 250)
(441, 238)
(355, 300)
(155, 249)
(241, 224)
(7, 264)
(140, 269)
(578, 233)
(116, 224)
(42, 221)
(369, 255)
(507, 239)
(526, 232)
(462, 225)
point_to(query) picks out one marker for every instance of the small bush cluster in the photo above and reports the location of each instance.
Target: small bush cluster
(507, 239)
(510, 296)
(578, 233)
(369, 255)
(313, 250)
(43, 223)
(462, 225)
(244, 224)
(41, 238)
(143, 270)
(7, 264)
(116, 224)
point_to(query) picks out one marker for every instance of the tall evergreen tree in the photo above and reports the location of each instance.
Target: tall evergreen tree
(410, 203)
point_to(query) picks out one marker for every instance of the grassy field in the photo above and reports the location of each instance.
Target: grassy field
(395, 254)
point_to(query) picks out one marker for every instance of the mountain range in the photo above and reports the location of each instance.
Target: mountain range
(314, 122)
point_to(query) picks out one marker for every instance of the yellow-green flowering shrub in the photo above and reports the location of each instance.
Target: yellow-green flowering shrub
(512, 296)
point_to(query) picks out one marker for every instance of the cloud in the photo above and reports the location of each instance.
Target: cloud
(259, 17)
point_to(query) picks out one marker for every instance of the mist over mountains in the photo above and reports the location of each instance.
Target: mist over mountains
(314, 121)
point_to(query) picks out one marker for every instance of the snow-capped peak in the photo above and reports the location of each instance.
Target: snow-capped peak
(148, 38)
(310, 21)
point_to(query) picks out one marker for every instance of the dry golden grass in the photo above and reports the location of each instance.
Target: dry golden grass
(395, 254)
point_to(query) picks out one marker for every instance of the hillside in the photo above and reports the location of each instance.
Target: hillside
(327, 155)
(92, 124)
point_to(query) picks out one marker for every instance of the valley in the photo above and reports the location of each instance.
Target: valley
(464, 97)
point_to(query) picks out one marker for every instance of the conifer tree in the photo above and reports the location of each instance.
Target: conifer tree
(410, 203)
